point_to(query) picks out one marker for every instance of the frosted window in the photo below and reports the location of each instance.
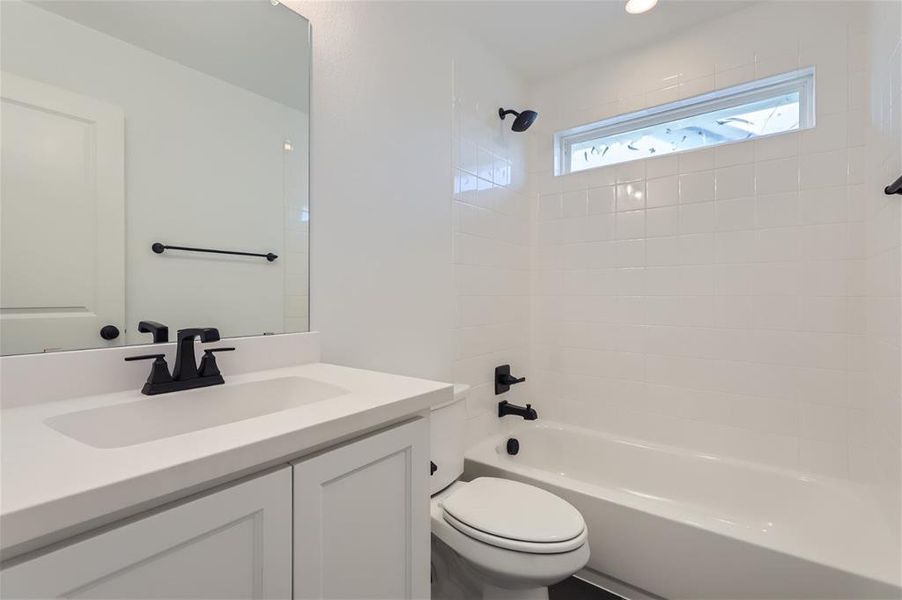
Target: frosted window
(763, 107)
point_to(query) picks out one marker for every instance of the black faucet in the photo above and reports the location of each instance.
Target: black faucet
(159, 331)
(185, 364)
(527, 412)
(185, 374)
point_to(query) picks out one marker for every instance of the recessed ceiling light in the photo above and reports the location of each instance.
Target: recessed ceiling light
(635, 7)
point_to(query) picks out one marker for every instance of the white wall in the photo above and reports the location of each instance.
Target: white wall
(491, 236)
(882, 359)
(383, 280)
(199, 172)
(713, 299)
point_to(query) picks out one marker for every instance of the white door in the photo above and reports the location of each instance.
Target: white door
(62, 218)
(361, 518)
(235, 543)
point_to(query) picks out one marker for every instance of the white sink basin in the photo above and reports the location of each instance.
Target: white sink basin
(166, 415)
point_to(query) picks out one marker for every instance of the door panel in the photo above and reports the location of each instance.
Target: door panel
(361, 525)
(62, 218)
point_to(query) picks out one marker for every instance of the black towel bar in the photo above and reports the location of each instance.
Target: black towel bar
(894, 188)
(160, 248)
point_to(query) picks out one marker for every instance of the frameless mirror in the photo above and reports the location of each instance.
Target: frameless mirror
(154, 160)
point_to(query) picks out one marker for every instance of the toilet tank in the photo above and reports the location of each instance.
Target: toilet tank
(446, 440)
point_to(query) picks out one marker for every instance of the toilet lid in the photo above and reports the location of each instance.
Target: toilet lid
(513, 510)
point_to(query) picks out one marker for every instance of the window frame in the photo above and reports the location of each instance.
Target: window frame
(799, 80)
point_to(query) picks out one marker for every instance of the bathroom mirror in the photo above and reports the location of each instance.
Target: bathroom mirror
(154, 162)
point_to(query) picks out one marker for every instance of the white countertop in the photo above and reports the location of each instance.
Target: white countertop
(54, 486)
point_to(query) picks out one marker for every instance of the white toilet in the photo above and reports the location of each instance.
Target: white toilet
(494, 538)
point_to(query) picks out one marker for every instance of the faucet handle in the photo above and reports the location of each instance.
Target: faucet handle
(144, 357)
(159, 370)
(208, 366)
(504, 380)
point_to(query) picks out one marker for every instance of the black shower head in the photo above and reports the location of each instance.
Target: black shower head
(523, 121)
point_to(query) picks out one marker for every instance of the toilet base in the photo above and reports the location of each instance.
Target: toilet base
(453, 578)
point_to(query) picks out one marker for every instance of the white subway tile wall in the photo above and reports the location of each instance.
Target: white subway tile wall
(491, 236)
(875, 440)
(741, 300)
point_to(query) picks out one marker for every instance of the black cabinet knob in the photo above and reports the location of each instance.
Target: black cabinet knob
(109, 332)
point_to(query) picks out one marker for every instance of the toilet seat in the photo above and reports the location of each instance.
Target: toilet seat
(514, 516)
(517, 545)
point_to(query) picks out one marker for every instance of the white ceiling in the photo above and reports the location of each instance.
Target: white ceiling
(538, 38)
(249, 43)
(542, 37)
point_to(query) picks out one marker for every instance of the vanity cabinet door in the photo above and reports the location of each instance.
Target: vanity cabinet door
(361, 518)
(235, 543)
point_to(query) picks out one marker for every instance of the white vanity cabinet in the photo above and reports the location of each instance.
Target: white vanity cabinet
(361, 518)
(349, 522)
(233, 543)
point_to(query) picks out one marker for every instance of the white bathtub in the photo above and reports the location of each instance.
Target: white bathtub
(681, 524)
